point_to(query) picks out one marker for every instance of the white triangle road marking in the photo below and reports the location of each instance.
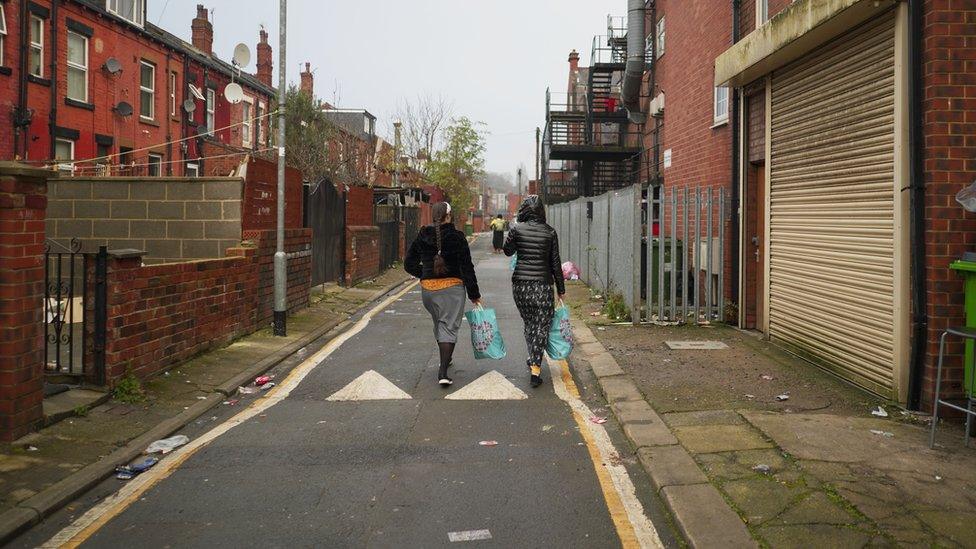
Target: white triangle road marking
(369, 386)
(491, 386)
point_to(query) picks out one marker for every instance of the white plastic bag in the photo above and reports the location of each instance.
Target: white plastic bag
(167, 445)
(967, 197)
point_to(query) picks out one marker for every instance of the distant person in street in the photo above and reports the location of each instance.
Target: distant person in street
(537, 268)
(441, 259)
(497, 233)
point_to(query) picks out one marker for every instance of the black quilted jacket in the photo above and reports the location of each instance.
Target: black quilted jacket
(457, 257)
(537, 246)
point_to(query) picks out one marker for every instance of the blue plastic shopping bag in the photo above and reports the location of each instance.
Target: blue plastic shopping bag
(486, 339)
(560, 334)
(511, 266)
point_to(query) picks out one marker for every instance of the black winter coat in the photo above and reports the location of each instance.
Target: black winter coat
(537, 246)
(454, 248)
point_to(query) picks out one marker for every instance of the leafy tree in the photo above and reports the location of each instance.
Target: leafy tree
(457, 167)
(307, 136)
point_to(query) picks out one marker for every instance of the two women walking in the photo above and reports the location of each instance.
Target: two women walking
(441, 258)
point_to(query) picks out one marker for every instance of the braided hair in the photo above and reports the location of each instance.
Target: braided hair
(439, 213)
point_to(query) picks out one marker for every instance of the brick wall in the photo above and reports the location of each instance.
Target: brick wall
(362, 253)
(171, 219)
(22, 204)
(160, 315)
(261, 196)
(359, 206)
(949, 113)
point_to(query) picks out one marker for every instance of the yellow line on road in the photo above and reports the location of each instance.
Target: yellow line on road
(88, 524)
(626, 511)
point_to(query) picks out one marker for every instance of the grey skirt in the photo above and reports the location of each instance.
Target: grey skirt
(446, 308)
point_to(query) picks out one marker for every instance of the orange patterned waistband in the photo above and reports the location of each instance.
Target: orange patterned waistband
(434, 284)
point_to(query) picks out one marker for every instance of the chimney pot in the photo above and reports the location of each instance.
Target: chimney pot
(202, 31)
(308, 80)
(264, 64)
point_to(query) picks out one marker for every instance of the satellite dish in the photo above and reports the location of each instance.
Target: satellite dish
(123, 108)
(242, 55)
(112, 65)
(189, 105)
(203, 130)
(196, 92)
(234, 93)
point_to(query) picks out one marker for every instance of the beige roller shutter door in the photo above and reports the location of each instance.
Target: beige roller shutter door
(831, 206)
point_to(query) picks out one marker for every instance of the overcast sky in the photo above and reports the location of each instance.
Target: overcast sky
(492, 58)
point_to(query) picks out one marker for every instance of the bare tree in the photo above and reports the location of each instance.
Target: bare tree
(423, 121)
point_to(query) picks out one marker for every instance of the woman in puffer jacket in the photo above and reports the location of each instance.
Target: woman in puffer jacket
(537, 268)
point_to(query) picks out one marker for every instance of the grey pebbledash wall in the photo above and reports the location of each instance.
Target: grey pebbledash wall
(171, 219)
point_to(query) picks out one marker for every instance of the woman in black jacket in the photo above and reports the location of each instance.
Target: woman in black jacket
(536, 269)
(441, 259)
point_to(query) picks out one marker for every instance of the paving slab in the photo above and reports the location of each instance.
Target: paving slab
(649, 434)
(703, 439)
(703, 417)
(670, 466)
(634, 411)
(705, 519)
(604, 365)
(815, 535)
(816, 508)
(617, 388)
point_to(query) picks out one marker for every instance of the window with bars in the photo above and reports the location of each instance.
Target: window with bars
(77, 67)
(147, 90)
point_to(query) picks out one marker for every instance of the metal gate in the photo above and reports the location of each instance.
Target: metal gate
(832, 249)
(325, 212)
(389, 243)
(74, 313)
(411, 222)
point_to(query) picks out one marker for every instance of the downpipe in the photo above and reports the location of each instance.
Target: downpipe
(917, 206)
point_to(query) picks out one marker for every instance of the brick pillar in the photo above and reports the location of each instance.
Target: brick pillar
(23, 203)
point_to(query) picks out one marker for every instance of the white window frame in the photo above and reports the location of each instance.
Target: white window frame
(194, 167)
(659, 33)
(720, 114)
(762, 12)
(83, 68)
(172, 93)
(259, 118)
(65, 164)
(210, 107)
(113, 7)
(151, 91)
(149, 164)
(247, 126)
(39, 46)
(3, 32)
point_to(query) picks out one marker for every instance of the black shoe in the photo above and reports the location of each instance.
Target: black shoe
(535, 381)
(442, 378)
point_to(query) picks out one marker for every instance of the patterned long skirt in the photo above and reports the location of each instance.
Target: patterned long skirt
(535, 302)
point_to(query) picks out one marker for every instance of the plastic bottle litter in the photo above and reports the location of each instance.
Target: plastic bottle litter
(267, 385)
(767, 377)
(762, 468)
(782, 397)
(880, 412)
(167, 445)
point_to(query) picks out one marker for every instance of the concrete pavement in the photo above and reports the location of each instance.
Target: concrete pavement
(303, 470)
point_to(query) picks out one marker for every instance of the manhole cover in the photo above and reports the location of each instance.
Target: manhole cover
(696, 345)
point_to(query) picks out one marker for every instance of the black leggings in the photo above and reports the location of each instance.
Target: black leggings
(535, 303)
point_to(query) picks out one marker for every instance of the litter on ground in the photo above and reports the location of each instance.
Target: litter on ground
(880, 412)
(247, 390)
(167, 445)
(488, 443)
(782, 397)
(885, 434)
(598, 420)
(762, 468)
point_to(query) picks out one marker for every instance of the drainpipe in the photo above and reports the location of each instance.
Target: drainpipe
(736, 152)
(53, 115)
(634, 73)
(20, 128)
(916, 152)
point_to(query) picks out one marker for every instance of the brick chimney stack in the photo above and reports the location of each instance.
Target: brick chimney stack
(573, 77)
(307, 80)
(264, 60)
(202, 31)
(573, 61)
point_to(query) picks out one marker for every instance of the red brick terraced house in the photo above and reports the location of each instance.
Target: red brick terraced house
(93, 84)
(857, 132)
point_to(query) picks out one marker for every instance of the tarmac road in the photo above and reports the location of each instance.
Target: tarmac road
(297, 469)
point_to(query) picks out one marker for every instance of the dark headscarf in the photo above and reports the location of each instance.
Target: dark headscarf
(532, 209)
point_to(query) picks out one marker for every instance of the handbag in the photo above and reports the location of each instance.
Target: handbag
(560, 334)
(486, 338)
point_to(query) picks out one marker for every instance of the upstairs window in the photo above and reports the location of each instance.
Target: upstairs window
(147, 90)
(172, 94)
(130, 10)
(3, 32)
(36, 60)
(77, 67)
(211, 105)
(762, 12)
(259, 119)
(246, 122)
(660, 36)
(721, 104)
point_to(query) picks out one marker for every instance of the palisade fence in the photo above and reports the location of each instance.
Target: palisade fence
(663, 255)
